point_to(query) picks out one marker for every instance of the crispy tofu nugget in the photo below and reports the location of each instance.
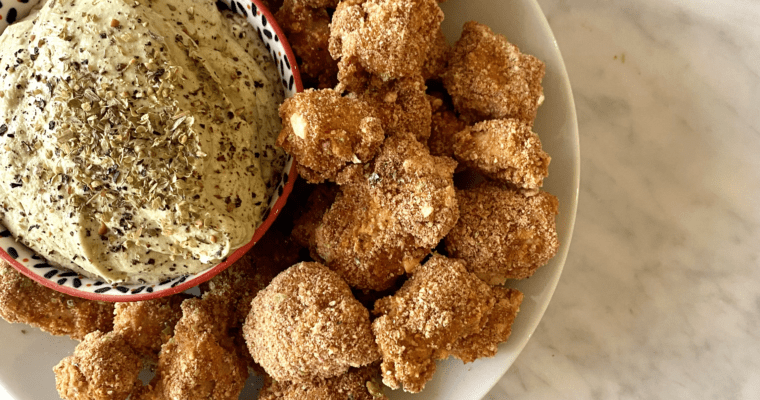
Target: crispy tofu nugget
(25, 301)
(437, 306)
(388, 215)
(488, 77)
(201, 361)
(504, 234)
(505, 150)
(326, 132)
(389, 38)
(401, 105)
(103, 367)
(356, 384)
(319, 201)
(497, 329)
(363, 242)
(146, 325)
(307, 325)
(443, 128)
(307, 27)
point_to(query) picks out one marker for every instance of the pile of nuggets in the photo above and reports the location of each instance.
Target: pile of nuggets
(392, 116)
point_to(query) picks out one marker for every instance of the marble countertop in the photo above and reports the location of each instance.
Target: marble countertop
(660, 295)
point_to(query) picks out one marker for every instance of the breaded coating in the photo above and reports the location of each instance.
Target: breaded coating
(24, 301)
(503, 234)
(401, 105)
(438, 305)
(319, 201)
(488, 77)
(147, 325)
(418, 188)
(356, 384)
(435, 62)
(325, 132)
(388, 215)
(443, 128)
(103, 367)
(505, 150)
(389, 38)
(497, 329)
(363, 242)
(307, 26)
(200, 362)
(307, 325)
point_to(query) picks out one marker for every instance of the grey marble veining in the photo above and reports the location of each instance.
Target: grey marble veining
(660, 296)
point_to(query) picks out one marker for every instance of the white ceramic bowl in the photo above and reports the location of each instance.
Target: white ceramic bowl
(63, 280)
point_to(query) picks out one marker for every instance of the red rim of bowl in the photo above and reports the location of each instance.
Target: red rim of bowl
(232, 258)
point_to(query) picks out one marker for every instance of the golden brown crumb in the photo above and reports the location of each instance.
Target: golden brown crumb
(307, 325)
(388, 215)
(505, 150)
(307, 27)
(436, 59)
(25, 301)
(503, 234)
(326, 132)
(401, 105)
(146, 325)
(444, 126)
(438, 305)
(200, 362)
(362, 241)
(319, 201)
(103, 367)
(356, 384)
(497, 329)
(488, 77)
(389, 38)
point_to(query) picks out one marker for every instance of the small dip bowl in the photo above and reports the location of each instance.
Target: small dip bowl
(63, 280)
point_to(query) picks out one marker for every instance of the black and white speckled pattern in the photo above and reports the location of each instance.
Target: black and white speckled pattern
(13, 10)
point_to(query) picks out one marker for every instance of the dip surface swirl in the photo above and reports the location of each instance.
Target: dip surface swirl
(136, 138)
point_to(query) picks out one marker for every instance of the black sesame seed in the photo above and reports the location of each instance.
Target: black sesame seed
(51, 125)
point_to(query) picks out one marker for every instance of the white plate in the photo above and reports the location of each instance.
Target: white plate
(27, 359)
